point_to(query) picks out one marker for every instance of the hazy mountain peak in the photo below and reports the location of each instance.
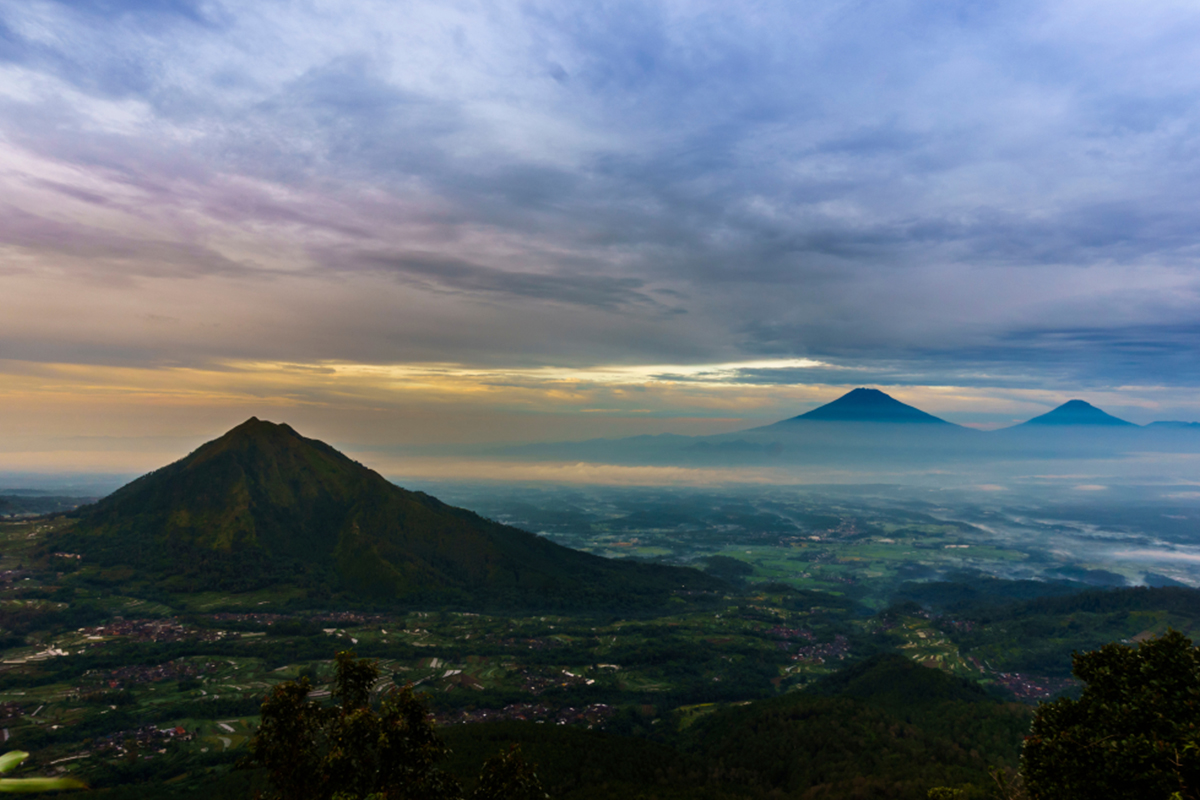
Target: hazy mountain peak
(868, 405)
(1077, 412)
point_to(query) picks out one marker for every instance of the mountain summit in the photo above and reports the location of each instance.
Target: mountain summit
(262, 506)
(868, 405)
(1077, 412)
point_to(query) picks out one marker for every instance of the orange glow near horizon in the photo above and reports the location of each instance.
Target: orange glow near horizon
(106, 418)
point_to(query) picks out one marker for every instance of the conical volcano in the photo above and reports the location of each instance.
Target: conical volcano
(264, 506)
(1077, 412)
(868, 405)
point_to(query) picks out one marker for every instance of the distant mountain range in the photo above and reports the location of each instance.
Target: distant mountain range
(264, 507)
(872, 405)
(867, 426)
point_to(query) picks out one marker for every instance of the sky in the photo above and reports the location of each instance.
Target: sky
(445, 223)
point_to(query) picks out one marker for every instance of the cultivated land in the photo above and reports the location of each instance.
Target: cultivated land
(864, 541)
(163, 691)
(640, 642)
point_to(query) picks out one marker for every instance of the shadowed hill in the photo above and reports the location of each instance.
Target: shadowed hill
(263, 506)
(884, 729)
(895, 682)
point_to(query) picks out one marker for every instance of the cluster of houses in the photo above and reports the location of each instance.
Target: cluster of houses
(146, 740)
(590, 715)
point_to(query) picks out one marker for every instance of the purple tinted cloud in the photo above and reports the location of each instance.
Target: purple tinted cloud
(911, 184)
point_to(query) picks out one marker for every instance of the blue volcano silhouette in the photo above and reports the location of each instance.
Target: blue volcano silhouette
(868, 405)
(1077, 412)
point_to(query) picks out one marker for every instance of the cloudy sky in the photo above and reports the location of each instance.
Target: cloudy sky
(403, 223)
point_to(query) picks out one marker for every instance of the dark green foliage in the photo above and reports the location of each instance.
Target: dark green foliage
(353, 680)
(833, 747)
(507, 776)
(263, 506)
(574, 763)
(884, 728)
(727, 568)
(114, 777)
(352, 751)
(119, 697)
(1134, 734)
(18, 621)
(895, 682)
(213, 783)
(295, 627)
(977, 594)
(128, 715)
(286, 743)
(1039, 636)
(888, 728)
(1183, 601)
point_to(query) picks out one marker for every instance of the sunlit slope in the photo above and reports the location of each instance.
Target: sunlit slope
(264, 506)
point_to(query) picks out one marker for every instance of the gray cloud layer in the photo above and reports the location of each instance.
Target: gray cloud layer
(999, 190)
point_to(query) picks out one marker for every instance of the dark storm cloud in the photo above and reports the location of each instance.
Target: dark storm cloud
(921, 192)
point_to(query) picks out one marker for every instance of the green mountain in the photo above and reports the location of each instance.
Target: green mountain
(263, 506)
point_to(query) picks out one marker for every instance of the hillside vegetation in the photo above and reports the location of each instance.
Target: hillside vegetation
(263, 506)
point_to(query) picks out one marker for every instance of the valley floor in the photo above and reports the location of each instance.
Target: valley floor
(163, 693)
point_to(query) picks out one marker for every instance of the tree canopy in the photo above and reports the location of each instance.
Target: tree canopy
(1134, 734)
(353, 751)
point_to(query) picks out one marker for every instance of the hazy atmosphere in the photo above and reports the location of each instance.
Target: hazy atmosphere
(398, 225)
(600, 400)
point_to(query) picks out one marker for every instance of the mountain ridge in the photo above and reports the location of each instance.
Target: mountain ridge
(868, 427)
(264, 506)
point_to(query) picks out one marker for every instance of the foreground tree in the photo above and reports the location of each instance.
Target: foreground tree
(351, 750)
(1134, 733)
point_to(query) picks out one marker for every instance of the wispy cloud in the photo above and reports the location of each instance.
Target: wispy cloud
(994, 198)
